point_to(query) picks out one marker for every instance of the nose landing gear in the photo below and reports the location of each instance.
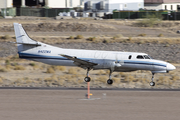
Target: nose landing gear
(152, 83)
(110, 81)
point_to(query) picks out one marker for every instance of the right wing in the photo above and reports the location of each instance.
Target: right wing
(80, 62)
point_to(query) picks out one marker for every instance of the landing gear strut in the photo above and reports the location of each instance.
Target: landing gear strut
(110, 81)
(152, 83)
(87, 78)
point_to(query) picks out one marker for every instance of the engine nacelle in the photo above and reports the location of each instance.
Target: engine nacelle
(107, 64)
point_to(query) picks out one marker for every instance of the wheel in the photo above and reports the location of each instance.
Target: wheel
(152, 83)
(87, 79)
(109, 81)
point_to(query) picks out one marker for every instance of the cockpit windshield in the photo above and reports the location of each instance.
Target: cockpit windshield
(150, 57)
(143, 57)
(146, 57)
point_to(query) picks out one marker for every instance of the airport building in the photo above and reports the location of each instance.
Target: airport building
(6, 3)
(162, 4)
(91, 6)
(64, 3)
(41, 3)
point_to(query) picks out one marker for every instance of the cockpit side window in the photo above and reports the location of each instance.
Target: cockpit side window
(130, 56)
(150, 57)
(140, 57)
(146, 57)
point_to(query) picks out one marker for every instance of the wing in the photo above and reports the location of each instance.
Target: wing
(80, 62)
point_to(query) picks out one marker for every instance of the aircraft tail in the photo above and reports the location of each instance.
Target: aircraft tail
(22, 39)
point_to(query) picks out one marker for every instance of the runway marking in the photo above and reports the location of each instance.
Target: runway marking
(91, 99)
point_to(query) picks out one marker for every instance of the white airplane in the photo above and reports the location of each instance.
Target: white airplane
(88, 59)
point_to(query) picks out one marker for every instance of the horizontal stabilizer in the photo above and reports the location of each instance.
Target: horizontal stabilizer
(35, 44)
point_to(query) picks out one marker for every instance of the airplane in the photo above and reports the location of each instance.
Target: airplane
(114, 61)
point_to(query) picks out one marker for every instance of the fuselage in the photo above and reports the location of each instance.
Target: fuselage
(120, 61)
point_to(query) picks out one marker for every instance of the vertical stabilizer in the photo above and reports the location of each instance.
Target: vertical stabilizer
(21, 35)
(22, 39)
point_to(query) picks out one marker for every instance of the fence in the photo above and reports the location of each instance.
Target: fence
(43, 12)
(8, 12)
(165, 15)
(38, 12)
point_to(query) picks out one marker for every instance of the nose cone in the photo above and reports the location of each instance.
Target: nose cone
(170, 67)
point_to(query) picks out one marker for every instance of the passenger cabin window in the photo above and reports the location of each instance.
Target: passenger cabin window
(146, 57)
(140, 57)
(130, 56)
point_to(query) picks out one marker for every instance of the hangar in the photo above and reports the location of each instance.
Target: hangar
(162, 4)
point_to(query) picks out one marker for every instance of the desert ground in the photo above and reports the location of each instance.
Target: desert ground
(160, 41)
(35, 104)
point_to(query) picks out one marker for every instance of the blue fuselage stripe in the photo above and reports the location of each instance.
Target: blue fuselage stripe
(33, 56)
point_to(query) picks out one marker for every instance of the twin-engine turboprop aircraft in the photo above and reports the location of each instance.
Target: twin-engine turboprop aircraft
(88, 59)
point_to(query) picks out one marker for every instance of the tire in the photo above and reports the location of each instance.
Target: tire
(110, 82)
(87, 79)
(152, 83)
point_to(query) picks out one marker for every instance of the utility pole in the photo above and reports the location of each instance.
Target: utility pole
(5, 7)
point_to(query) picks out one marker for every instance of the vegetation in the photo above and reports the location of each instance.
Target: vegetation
(19, 67)
(61, 68)
(7, 62)
(142, 35)
(129, 39)
(1, 81)
(114, 38)
(50, 70)
(105, 41)
(118, 36)
(150, 20)
(160, 35)
(79, 37)
(71, 37)
(32, 64)
(92, 38)
(72, 71)
(3, 70)
(5, 37)
(72, 77)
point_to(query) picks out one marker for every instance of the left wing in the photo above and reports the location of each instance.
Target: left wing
(80, 62)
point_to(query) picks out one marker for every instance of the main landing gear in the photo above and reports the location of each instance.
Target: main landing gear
(87, 78)
(110, 81)
(152, 83)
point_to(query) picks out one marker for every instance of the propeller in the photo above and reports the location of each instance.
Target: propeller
(117, 63)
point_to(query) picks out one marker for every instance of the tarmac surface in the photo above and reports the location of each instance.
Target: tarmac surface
(105, 104)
